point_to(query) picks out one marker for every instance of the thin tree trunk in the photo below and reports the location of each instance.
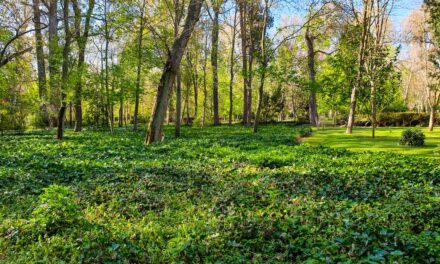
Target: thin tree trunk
(139, 68)
(82, 42)
(53, 53)
(242, 10)
(205, 92)
(360, 66)
(178, 104)
(231, 69)
(214, 61)
(155, 129)
(264, 66)
(39, 43)
(431, 119)
(65, 71)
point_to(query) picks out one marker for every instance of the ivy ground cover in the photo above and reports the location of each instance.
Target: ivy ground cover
(216, 195)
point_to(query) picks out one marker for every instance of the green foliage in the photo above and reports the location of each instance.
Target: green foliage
(412, 137)
(219, 194)
(57, 208)
(397, 119)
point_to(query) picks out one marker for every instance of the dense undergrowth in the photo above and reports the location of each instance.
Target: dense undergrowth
(218, 195)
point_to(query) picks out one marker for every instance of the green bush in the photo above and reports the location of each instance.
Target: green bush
(412, 137)
(57, 208)
(408, 119)
(305, 131)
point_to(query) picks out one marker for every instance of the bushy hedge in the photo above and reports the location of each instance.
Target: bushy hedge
(398, 119)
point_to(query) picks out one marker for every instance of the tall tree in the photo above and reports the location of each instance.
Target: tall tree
(155, 129)
(365, 23)
(216, 5)
(64, 70)
(139, 63)
(81, 40)
(39, 45)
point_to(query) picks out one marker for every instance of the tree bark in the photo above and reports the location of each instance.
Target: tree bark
(81, 42)
(39, 44)
(64, 71)
(360, 66)
(431, 119)
(53, 53)
(264, 63)
(178, 105)
(139, 68)
(214, 61)
(155, 129)
(313, 111)
(242, 10)
(231, 68)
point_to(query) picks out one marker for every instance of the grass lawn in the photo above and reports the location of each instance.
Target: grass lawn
(387, 139)
(215, 195)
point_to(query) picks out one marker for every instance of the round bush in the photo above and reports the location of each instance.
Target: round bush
(412, 137)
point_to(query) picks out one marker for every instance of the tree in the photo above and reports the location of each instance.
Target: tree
(365, 23)
(155, 129)
(81, 40)
(214, 57)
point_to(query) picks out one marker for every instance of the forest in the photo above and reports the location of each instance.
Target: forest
(219, 131)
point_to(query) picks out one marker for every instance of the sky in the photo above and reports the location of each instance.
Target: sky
(403, 8)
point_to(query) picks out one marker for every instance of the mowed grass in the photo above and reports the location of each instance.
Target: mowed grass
(387, 139)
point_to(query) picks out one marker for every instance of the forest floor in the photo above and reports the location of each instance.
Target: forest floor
(387, 139)
(216, 195)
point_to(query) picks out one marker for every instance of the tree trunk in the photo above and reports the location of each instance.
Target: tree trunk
(139, 68)
(178, 104)
(313, 112)
(81, 42)
(53, 53)
(242, 10)
(431, 119)
(360, 66)
(264, 66)
(65, 71)
(214, 61)
(231, 69)
(205, 92)
(39, 44)
(155, 129)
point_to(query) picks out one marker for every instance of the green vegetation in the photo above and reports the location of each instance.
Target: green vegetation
(387, 140)
(218, 194)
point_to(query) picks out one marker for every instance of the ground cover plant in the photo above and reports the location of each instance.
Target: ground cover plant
(215, 195)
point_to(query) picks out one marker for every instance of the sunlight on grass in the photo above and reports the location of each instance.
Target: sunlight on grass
(387, 139)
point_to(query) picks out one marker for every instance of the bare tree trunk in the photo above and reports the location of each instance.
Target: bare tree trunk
(65, 71)
(82, 42)
(53, 53)
(264, 63)
(242, 10)
(313, 111)
(431, 119)
(205, 92)
(139, 66)
(231, 69)
(214, 61)
(360, 66)
(178, 104)
(155, 129)
(39, 44)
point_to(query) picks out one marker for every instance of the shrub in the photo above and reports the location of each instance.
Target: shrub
(57, 208)
(412, 137)
(305, 131)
